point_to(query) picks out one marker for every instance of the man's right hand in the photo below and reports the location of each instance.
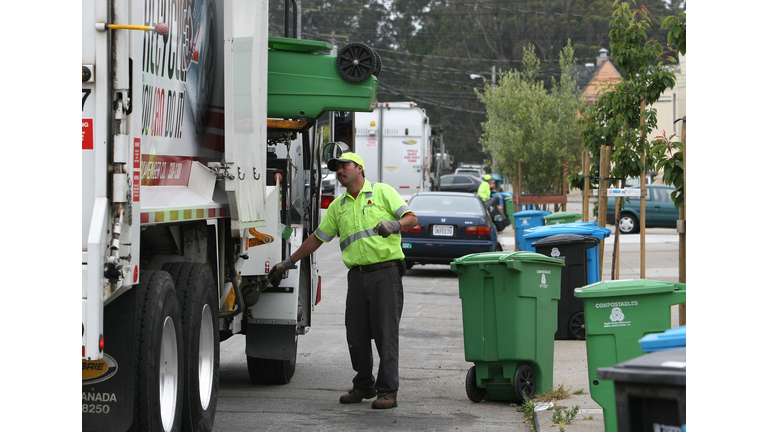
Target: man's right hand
(280, 268)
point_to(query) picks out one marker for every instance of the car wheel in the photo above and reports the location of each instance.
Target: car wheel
(628, 224)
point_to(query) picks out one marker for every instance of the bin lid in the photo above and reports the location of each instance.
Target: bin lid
(670, 339)
(584, 229)
(564, 239)
(506, 257)
(627, 287)
(297, 45)
(562, 215)
(663, 367)
(526, 213)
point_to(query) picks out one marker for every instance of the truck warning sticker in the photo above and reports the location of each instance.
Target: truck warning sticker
(87, 134)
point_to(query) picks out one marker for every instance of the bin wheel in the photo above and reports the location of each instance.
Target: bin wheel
(525, 383)
(356, 62)
(377, 68)
(474, 393)
(576, 326)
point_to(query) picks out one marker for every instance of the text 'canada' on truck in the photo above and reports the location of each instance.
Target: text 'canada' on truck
(201, 170)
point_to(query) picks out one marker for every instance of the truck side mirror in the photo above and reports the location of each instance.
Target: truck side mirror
(334, 150)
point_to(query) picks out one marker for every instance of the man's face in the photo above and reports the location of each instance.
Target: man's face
(347, 173)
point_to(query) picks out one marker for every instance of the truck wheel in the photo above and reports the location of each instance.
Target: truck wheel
(270, 371)
(159, 368)
(474, 393)
(356, 62)
(199, 318)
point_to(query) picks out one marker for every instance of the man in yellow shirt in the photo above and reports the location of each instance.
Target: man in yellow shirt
(368, 219)
(484, 190)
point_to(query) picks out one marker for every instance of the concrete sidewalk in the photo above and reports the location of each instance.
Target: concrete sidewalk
(570, 362)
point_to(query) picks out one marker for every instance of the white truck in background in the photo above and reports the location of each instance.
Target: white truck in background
(395, 141)
(197, 178)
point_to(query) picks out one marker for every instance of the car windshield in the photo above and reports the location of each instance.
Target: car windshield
(446, 205)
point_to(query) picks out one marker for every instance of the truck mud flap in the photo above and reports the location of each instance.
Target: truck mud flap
(108, 383)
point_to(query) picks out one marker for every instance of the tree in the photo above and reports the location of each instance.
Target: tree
(617, 119)
(532, 125)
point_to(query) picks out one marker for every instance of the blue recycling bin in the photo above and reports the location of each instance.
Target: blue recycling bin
(671, 339)
(527, 219)
(579, 228)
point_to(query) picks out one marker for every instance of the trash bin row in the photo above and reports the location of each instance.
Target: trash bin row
(510, 310)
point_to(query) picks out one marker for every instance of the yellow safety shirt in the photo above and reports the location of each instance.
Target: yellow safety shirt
(354, 219)
(484, 191)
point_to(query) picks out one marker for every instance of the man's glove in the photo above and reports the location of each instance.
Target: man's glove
(387, 228)
(281, 268)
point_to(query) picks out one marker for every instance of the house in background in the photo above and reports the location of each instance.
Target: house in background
(671, 106)
(593, 77)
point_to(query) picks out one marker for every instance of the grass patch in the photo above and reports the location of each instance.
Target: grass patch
(564, 416)
(555, 394)
(580, 392)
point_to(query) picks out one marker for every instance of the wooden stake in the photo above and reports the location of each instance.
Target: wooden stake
(681, 233)
(585, 197)
(605, 163)
(642, 196)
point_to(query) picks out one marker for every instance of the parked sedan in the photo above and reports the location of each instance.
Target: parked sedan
(660, 210)
(451, 225)
(459, 183)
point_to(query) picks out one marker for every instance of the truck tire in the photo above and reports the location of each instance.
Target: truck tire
(159, 368)
(199, 319)
(269, 371)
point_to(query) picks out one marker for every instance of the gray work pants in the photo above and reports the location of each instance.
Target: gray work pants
(373, 311)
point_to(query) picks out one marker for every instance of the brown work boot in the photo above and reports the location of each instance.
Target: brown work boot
(384, 402)
(357, 396)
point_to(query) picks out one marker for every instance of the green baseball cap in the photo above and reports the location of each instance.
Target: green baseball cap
(333, 164)
(487, 177)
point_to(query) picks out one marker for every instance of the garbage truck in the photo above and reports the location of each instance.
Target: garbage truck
(395, 141)
(201, 170)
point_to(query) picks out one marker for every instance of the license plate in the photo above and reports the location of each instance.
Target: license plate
(442, 230)
(406, 245)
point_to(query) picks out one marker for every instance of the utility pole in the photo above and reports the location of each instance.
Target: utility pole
(493, 90)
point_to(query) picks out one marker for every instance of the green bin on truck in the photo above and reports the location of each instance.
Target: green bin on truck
(617, 315)
(509, 310)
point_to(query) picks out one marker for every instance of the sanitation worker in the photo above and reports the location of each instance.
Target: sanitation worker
(484, 190)
(368, 219)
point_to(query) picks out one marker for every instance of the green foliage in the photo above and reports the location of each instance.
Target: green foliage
(532, 125)
(564, 416)
(676, 36)
(668, 155)
(617, 119)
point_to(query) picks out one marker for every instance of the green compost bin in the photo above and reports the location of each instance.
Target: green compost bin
(304, 84)
(509, 310)
(509, 206)
(561, 218)
(617, 314)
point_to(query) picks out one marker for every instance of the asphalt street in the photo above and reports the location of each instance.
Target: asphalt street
(432, 394)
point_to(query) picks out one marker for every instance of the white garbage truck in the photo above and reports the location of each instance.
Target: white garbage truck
(395, 141)
(201, 169)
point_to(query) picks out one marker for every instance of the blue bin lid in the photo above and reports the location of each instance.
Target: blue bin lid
(670, 339)
(506, 194)
(549, 230)
(525, 213)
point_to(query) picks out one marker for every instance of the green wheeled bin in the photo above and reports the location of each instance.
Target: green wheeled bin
(561, 218)
(617, 314)
(509, 311)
